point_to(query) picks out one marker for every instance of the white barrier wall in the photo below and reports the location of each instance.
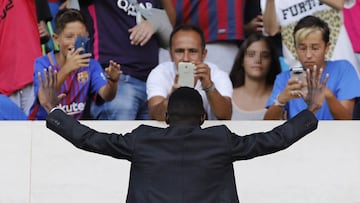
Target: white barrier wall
(38, 166)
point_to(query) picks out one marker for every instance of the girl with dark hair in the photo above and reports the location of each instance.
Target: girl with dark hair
(253, 74)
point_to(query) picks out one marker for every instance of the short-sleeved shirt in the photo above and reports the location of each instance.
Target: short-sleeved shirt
(343, 82)
(78, 86)
(161, 80)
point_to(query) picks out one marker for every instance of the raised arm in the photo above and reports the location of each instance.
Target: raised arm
(220, 105)
(157, 107)
(283, 136)
(291, 91)
(271, 24)
(314, 98)
(108, 92)
(336, 4)
(69, 128)
(279, 138)
(73, 61)
(170, 11)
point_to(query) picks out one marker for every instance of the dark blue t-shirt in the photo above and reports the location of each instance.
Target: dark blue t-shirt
(110, 21)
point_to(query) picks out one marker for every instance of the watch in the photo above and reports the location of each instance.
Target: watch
(210, 89)
(277, 103)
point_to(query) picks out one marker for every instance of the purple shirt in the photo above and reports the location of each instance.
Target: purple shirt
(110, 22)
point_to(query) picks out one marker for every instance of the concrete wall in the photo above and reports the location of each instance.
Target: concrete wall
(38, 166)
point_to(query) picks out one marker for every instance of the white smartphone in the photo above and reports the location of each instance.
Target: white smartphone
(300, 74)
(186, 74)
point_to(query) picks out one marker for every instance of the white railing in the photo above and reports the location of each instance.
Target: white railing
(38, 166)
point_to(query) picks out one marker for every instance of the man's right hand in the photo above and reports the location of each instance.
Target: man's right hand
(316, 88)
(47, 94)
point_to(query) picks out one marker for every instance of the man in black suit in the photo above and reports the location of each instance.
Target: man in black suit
(182, 162)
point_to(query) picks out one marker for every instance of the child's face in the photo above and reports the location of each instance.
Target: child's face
(312, 50)
(66, 39)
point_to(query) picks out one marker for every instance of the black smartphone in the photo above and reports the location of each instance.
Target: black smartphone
(83, 42)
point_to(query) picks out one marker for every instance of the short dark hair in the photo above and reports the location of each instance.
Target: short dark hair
(188, 27)
(66, 16)
(312, 23)
(237, 73)
(185, 103)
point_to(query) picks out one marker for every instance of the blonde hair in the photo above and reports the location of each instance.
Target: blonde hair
(308, 25)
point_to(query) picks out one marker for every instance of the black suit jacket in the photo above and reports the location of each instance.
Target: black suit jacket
(182, 163)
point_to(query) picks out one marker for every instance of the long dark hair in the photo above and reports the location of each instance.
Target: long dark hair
(237, 74)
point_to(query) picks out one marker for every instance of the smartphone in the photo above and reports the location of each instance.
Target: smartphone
(186, 74)
(299, 73)
(83, 42)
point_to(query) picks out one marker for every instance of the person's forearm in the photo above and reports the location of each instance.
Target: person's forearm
(61, 77)
(158, 111)
(89, 139)
(274, 113)
(336, 4)
(108, 92)
(170, 10)
(337, 110)
(220, 105)
(271, 25)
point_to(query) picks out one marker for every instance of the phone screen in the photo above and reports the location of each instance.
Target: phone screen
(186, 74)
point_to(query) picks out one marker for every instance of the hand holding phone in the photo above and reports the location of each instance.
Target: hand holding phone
(83, 42)
(300, 74)
(186, 74)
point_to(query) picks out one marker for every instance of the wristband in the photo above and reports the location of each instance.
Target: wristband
(277, 103)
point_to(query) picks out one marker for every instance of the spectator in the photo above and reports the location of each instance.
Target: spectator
(182, 162)
(79, 76)
(254, 23)
(282, 15)
(55, 6)
(311, 36)
(21, 46)
(253, 74)
(9, 110)
(187, 44)
(120, 33)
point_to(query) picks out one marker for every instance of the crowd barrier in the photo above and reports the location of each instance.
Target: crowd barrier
(38, 166)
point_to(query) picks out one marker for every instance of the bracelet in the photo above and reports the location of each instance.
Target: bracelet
(277, 103)
(111, 80)
(210, 89)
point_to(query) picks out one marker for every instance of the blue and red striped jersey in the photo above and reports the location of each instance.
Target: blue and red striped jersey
(218, 19)
(77, 87)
